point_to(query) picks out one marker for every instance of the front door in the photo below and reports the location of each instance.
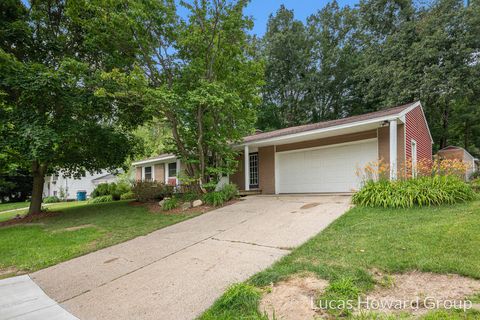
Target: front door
(254, 170)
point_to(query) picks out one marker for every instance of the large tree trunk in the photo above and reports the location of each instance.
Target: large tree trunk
(38, 172)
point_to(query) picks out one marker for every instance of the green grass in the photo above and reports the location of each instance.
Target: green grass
(33, 246)
(13, 205)
(52, 207)
(442, 239)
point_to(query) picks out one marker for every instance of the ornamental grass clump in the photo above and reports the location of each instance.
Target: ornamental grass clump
(423, 191)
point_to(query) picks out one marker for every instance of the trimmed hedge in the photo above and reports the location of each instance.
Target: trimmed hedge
(424, 191)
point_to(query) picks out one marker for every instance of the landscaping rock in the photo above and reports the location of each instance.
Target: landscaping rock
(160, 203)
(185, 206)
(197, 203)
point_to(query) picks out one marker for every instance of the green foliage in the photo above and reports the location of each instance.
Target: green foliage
(339, 297)
(214, 198)
(206, 89)
(127, 196)
(240, 301)
(230, 191)
(151, 190)
(103, 189)
(101, 199)
(424, 191)
(53, 113)
(116, 190)
(190, 196)
(170, 203)
(475, 184)
(347, 61)
(51, 199)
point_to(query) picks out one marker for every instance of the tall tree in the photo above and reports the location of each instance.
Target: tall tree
(332, 31)
(203, 82)
(288, 58)
(54, 115)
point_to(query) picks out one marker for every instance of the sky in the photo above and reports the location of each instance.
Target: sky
(260, 10)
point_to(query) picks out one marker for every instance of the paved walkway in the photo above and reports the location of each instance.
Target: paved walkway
(179, 271)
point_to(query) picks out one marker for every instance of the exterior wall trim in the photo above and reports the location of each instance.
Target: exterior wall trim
(329, 146)
(306, 133)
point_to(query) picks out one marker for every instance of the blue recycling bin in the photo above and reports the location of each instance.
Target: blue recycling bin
(81, 195)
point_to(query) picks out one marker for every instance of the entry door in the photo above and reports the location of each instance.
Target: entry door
(327, 169)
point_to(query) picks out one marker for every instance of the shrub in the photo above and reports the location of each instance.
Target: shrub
(424, 191)
(103, 189)
(114, 189)
(190, 196)
(128, 196)
(475, 184)
(214, 198)
(101, 199)
(230, 191)
(169, 204)
(151, 190)
(51, 199)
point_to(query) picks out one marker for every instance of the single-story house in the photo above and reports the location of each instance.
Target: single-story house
(319, 157)
(458, 153)
(55, 185)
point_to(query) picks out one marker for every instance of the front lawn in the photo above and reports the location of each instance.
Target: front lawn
(437, 239)
(13, 206)
(78, 229)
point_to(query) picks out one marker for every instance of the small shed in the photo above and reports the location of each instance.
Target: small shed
(459, 153)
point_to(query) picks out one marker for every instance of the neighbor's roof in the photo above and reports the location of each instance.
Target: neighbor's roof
(326, 124)
(164, 156)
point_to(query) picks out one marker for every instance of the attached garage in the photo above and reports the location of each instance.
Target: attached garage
(324, 169)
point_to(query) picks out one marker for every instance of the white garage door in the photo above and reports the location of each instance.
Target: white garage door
(328, 169)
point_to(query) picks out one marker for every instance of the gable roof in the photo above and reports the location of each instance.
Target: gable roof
(160, 157)
(394, 111)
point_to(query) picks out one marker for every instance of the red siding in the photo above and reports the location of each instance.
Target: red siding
(417, 129)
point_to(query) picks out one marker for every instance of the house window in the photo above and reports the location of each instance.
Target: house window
(253, 170)
(147, 175)
(172, 169)
(414, 159)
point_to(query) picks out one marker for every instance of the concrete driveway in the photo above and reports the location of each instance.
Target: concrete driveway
(179, 271)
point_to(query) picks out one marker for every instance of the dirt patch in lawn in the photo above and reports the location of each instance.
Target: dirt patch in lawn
(293, 299)
(10, 272)
(420, 290)
(29, 218)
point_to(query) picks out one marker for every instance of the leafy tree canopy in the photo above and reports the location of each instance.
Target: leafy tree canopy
(55, 113)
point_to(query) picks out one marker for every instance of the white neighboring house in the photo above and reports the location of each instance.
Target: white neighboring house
(56, 184)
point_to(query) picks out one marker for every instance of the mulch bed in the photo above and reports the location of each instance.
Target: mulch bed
(153, 207)
(29, 218)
